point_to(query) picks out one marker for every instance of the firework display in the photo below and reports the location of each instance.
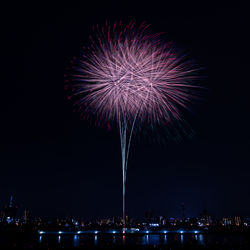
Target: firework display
(127, 76)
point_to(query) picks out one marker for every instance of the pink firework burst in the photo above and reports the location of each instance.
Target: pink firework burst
(130, 73)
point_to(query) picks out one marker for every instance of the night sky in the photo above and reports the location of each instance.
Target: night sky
(56, 164)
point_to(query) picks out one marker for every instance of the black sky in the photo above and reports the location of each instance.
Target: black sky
(55, 164)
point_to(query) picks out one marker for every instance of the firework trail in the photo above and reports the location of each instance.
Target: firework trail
(130, 76)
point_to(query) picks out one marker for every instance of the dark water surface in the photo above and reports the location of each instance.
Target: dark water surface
(147, 241)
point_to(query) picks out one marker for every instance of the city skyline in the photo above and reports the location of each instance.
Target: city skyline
(16, 211)
(149, 223)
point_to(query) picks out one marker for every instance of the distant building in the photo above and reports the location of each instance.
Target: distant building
(236, 220)
(172, 221)
(10, 211)
(205, 219)
(26, 215)
(227, 222)
(246, 222)
(162, 220)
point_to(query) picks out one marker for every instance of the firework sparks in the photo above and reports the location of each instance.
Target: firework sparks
(129, 75)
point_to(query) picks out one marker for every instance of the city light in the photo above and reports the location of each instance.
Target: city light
(128, 231)
(154, 225)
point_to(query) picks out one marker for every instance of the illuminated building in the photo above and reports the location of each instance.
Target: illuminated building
(227, 221)
(10, 211)
(237, 220)
(205, 219)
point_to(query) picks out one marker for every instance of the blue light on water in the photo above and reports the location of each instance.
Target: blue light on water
(147, 232)
(60, 232)
(165, 232)
(78, 232)
(165, 239)
(195, 232)
(96, 232)
(181, 232)
(41, 232)
(145, 239)
(76, 241)
(181, 238)
(201, 239)
(96, 240)
(114, 232)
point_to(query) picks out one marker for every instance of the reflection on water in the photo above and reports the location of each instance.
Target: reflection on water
(145, 240)
(165, 239)
(201, 239)
(100, 240)
(69, 240)
(123, 239)
(182, 239)
(76, 241)
(96, 240)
